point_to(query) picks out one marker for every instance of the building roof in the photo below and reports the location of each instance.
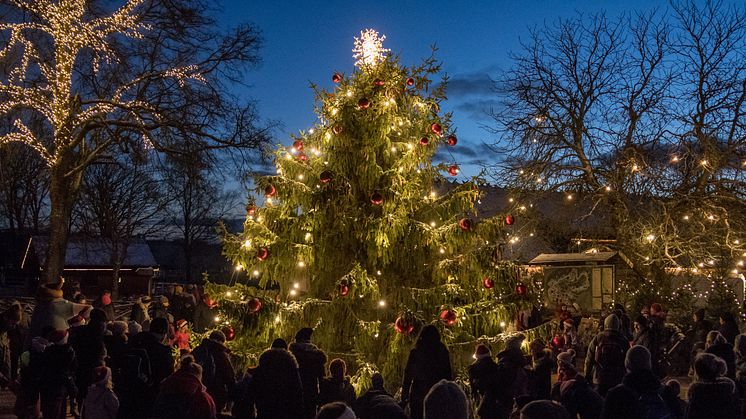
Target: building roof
(556, 258)
(96, 252)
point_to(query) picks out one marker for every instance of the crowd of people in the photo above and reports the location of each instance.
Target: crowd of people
(73, 358)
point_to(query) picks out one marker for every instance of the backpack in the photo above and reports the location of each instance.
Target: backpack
(652, 406)
(135, 368)
(609, 353)
(204, 357)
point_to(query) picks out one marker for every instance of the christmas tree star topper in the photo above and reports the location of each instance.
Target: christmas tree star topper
(369, 49)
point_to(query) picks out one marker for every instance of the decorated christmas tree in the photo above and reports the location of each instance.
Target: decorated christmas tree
(363, 238)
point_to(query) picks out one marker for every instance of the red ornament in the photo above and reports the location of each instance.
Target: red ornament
(250, 209)
(336, 78)
(337, 129)
(262, 253)
(298, 145)
(509, 220)
(302, 157)
(376, 198)
(448, 317)
(424, 141)
(363, 103)
(452, 140)
(521, 289)
(254, 305)
(465, 224)
(453, 170)
(229, 333)
(410, 81)
(326, 176)
(404, 324)
(270, 191)
(343, 289)
(437, 129)
(488, 283)
(379, 82)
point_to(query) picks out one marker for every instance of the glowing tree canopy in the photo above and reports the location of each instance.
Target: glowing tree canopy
(361, 237)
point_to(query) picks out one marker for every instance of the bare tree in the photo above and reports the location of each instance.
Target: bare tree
(640, 117)
(127, 77)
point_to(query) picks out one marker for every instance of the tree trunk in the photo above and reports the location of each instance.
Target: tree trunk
(63, 191)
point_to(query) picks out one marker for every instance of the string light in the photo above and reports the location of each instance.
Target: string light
(239, 267)
(369, 50)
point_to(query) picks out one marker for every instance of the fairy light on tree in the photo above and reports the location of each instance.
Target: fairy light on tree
(369, 50)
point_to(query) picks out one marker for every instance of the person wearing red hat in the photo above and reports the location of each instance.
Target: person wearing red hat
(58, 364)
(100, 402)
(181, 335)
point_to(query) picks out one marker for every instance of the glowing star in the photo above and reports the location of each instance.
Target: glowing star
(369, 49)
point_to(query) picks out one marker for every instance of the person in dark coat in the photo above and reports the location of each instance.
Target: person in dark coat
(541, 375)
(104, 303)
(482, 375)
(640, 395)
(275, 390)
(182, 394)
(606, 365)
(716, 345)
(90, 351)
(512, 378)
(222, 383)
(621, 313)
(336, 387)
(204, 316)
(137, 402)
(712, 395)
(445, 400)
(377, 403)
(728, 327)
(56, 383)
(642, 335)
(701, 328)
(311, 361)
(8, 321)
(428, 363)
(573, 391)
(670, 394)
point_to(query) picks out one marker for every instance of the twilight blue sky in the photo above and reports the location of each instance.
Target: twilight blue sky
(306, 41)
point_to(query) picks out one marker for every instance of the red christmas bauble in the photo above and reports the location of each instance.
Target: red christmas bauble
(521, 289)
(437, 129)
(509, 220)
(363, 103)
(404, 324)
(336, 78)
(343, 290)
(326, 176)
(250, 209)
(298, 145)
(270, 191)
(376, 198)
(453, 170)
(337, 129)
(465, 224)
(452, 140)
(488, 283)
(424, 141)
(229, 333)
(262, 253)
(410, 81)
(379, 82)
(448, 317)
(302, 157)
(254, 305)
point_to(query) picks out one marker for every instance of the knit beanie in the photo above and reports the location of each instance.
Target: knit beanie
(217, 336)
(482, 351)
(515, 341)
(279, 343)
(567, 359)
(446, 400)
(637, 359)
(335, 410)
(612, 323)
(304, 335)
(101, 375)
(709, 367)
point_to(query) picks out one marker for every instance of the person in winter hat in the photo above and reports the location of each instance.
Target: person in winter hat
(640, 394)
(543, 367)
(311, 361)
(604, 361)
(573, 391)
(671, 392)
(717, 345)
(377, 403)
(482, 375)
(218, 374)
(100, 402)
(181, 335)
(57, 385)
(429, 362)
(336, 410)
(279, 343)
(275, 389)
(446, 400)
(544, 409)
(512, 378)
(182, 395)
(712, 395)
(104, 303)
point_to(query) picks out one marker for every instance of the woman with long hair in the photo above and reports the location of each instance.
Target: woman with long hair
(428, 363)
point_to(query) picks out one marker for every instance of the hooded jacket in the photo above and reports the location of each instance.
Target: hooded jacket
(311, 362)
(713, 399)
(607, 375)
(184, 388)
(224, 382)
